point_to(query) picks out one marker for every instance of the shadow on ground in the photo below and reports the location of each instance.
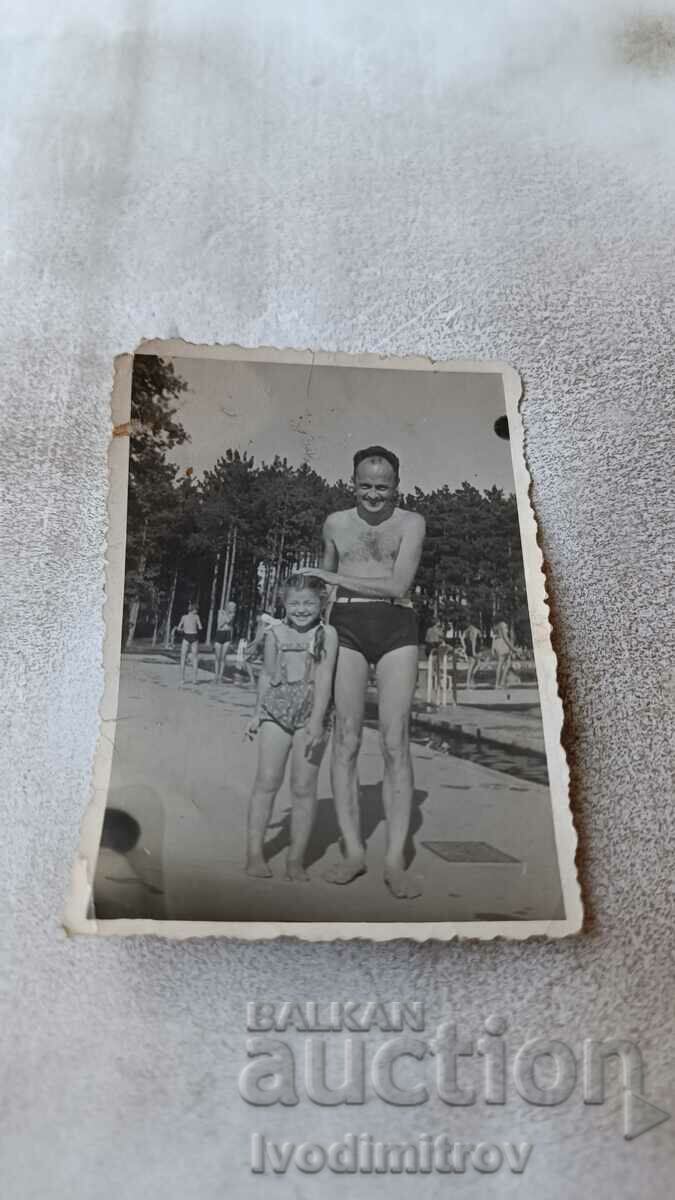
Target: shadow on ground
(326, 830)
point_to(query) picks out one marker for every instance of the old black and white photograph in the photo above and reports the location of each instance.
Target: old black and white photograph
(333, 702)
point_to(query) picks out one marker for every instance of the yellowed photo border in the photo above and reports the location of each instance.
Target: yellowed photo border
(76, 917)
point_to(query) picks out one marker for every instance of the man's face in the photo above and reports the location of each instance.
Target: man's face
(375, 485)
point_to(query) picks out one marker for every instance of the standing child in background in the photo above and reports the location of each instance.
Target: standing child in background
(264, 622)
(291, 718)
(222, 637)
(190, 627)
(242, 663)
(248, 652)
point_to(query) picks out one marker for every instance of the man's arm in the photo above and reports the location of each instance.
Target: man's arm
(330, 554)
(323, 682)
(399, 581)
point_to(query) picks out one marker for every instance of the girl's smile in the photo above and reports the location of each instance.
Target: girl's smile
(302, 610)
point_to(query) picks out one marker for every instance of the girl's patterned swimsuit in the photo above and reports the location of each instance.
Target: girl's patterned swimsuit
(287, 702)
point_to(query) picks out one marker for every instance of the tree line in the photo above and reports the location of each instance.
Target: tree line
(237, 532)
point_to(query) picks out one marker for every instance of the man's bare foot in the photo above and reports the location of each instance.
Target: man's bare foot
(345, 871)
(296, 872)
(258, 868)
(402, 885)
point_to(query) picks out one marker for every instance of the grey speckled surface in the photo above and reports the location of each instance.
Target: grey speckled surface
(450, 180)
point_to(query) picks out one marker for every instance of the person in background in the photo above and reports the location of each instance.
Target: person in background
(265, 621)
(503, 649)
(433, 638)
(436, 650)
(223, 637)
(190, 626)
(471, 640)
(242, 663)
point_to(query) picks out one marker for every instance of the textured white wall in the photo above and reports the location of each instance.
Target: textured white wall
(434, 178)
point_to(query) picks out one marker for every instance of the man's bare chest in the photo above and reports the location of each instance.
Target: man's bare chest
(366, 544)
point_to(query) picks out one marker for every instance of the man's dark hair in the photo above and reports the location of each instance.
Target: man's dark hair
(377, 452)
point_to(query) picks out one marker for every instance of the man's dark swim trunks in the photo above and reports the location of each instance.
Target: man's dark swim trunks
(374, 628)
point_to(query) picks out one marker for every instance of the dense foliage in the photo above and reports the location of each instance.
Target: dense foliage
(236, 533)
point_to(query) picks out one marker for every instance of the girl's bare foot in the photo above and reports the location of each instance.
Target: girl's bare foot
(345, 871)
(296, 872)
(258, 868)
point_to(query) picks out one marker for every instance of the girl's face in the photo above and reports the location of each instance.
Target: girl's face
(303, 607)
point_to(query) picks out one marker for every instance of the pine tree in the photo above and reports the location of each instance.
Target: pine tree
(151, 496)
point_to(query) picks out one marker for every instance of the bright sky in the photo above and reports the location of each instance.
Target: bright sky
(441, 424)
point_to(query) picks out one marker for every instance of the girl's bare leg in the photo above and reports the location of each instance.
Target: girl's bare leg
(274, 745)
(304, 779)
(183, 658)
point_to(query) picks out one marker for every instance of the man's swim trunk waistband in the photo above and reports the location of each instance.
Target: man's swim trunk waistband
(374, 629)
(373, 600)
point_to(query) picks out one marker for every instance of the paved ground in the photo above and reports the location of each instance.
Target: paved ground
(184, 772)
(511, 718)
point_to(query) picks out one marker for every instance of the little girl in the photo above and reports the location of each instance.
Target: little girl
(291, 717)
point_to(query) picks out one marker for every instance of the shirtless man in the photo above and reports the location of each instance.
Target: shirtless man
(190, 627)
(371, 555)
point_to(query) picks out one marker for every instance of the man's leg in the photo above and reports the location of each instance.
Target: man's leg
(396, 676)
(351, 678)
